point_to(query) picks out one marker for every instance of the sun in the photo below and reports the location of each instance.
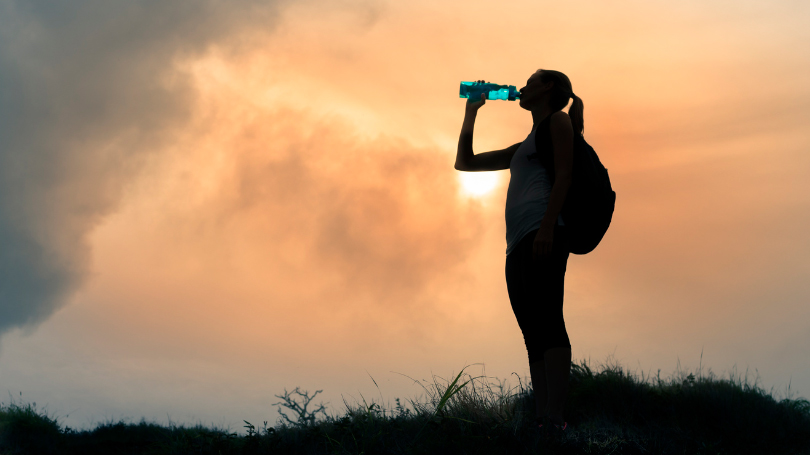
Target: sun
(478, 183)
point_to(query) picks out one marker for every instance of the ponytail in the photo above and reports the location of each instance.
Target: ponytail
(575, 112)
(560, 94)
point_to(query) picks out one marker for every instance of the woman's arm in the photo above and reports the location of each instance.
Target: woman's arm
(466, 159)
(562, 138)
(465, 153)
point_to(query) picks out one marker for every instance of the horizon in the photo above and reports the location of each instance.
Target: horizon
(204, 204)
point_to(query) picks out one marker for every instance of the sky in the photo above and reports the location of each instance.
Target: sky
(204, 204)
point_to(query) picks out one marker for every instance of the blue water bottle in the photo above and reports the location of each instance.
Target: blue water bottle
(494, 91)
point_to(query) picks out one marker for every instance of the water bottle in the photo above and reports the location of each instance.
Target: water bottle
(494, 91)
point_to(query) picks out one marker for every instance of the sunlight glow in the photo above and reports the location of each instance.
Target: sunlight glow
(478, 183)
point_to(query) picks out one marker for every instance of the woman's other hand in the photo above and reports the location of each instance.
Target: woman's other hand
(543, 242)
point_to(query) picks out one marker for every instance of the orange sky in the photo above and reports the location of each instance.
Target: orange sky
(297, 221)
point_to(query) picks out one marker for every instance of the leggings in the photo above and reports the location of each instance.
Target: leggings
(536, 293)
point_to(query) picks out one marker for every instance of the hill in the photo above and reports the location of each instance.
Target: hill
(609, 410)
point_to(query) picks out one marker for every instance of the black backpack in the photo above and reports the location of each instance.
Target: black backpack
(589, 204)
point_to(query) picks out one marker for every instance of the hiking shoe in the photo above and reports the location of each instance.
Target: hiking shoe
(548, 426)
(555, 426)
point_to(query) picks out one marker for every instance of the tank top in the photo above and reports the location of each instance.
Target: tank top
(529, 186)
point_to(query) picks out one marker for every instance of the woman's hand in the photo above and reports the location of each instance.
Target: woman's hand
(543, 242)
(473, 106)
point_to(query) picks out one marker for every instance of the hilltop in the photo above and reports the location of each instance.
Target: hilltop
(610, 411)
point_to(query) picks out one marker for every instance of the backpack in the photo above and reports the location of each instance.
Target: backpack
(589, 204)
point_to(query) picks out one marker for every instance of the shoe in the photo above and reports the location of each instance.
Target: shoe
(552, 426)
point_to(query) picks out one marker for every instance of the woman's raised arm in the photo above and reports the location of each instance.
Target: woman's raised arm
(466, 159)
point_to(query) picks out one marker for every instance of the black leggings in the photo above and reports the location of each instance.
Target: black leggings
(536, 292)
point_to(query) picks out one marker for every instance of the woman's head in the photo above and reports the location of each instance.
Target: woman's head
(552, 88)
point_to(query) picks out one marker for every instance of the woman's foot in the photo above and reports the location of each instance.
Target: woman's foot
(549, 420)
(554, 423)
(556, 420)
(549, 429)
(561, 426)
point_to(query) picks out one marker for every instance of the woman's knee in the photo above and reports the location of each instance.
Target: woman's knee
(536, 346)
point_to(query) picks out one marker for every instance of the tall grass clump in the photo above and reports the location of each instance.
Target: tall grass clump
(609, 411)
(24, 426)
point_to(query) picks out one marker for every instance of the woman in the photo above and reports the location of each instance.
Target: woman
(536, 239)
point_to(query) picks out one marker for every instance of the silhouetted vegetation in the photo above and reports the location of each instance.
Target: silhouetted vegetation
(610, 411)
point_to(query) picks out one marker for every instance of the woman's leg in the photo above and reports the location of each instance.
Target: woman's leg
(558, 368)
(518, 286)
(536, 291)
(539, 384)
(550, 383)
(536, 294)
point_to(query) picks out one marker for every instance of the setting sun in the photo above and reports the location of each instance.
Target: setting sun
(478, 183)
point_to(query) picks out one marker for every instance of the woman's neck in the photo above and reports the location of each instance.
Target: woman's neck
(540, 114)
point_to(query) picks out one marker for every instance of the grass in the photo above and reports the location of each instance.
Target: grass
(609, 410)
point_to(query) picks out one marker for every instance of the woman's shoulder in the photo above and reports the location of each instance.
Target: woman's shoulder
(559, 116)
(559, 122)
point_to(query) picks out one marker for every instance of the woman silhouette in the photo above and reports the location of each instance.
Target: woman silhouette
(536, 239)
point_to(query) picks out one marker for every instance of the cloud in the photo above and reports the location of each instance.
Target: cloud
(88, 91)
(278, 226)
(309, 203)
(385, 215)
